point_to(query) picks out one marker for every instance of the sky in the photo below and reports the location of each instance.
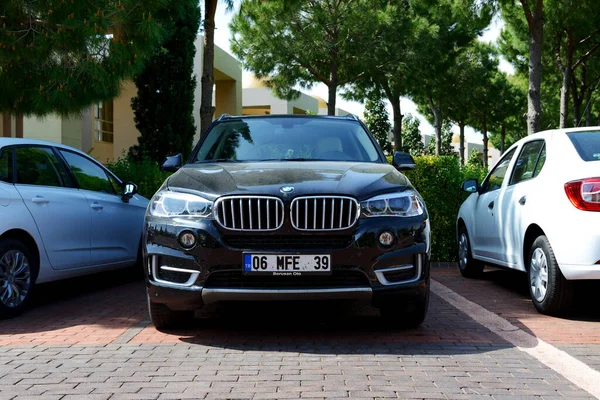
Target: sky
(222, 35)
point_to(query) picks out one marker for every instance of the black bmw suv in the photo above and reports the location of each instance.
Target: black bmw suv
(287, 208)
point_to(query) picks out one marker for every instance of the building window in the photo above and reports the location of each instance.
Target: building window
(103, 122)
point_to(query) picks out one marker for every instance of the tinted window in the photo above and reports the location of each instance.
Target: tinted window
(527, 161)
(6, 165)
(89, 175)
(496, 177)
(587, 144)
(253, 139)
(39, 166)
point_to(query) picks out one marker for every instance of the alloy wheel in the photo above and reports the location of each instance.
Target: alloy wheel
(538, 275)
(15, 278)
(463, 250)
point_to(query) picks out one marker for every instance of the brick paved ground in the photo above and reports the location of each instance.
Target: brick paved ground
(506, 294)
(95, 344)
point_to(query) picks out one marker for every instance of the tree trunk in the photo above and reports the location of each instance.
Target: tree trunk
(331, 100)
(397, 127)
(588, 109)
(566, 69)
(564, 98)
(536, 33)
(485, 141)
(577, 101)
(461, 148)
(436, 110)
(502, 138)
(208, 64)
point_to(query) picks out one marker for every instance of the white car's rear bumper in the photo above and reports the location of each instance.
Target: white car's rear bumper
(574, 271)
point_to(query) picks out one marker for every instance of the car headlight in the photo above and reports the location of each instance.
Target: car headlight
(403, 204)
(177, 204)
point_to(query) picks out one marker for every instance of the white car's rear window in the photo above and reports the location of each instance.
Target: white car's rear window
(587, 144)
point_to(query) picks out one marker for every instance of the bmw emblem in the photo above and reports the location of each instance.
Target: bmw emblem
(286, 190)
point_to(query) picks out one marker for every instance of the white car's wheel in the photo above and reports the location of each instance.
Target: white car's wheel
(469, 267)
(550, 292)
(18, 271)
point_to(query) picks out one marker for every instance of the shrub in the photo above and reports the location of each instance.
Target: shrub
(439, 179)
(146, 174)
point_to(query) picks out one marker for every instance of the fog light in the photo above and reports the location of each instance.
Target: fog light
(386, 238)
(187, 239)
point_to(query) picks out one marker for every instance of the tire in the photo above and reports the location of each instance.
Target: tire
(18, 273)
(395, 314)
(468, 266)
(543, 272)
(162, 317)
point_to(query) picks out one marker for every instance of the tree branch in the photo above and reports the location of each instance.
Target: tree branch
(586, 55)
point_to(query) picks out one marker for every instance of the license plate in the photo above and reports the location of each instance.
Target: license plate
(287, 264)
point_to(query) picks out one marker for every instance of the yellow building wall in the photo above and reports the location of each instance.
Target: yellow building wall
(225, 95)
(47, 128)
(125, 132)
(71, 131)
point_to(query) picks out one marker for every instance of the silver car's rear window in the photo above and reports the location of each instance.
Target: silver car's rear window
(587, 144)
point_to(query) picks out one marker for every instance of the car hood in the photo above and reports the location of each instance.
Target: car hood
(359, 180)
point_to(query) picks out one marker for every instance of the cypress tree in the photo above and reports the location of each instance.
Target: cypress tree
(164, 106)
(378, 122)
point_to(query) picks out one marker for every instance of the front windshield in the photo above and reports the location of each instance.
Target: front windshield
(299, 139)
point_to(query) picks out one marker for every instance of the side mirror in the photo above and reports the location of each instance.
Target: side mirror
(403, 161)
(470, 186)
(172, 163)
(129, 189)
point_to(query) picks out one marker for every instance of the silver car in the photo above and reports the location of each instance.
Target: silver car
(62, 214)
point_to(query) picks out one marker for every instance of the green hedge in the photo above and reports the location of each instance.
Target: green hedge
(438, 179)
(146, 174)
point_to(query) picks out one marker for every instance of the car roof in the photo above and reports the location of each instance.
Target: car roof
(351, 117)
(20, 141)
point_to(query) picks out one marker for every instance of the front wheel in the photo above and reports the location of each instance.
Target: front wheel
(550, 291)
(162, 317)
(468, 266)
(18, 271)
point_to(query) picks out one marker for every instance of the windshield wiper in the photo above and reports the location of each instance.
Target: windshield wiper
(217, 160)
(300, 159)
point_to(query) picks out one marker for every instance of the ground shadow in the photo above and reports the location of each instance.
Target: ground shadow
(585, 301)
(114, 299)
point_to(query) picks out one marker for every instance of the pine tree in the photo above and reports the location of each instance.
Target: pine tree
(164, 106)
(62, 56)
(378, 122)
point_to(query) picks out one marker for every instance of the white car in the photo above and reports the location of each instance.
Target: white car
(62, 214)
(538, 211)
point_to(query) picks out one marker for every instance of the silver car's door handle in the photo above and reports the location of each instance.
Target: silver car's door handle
(96, 206)
(39, 200)
(522, 200)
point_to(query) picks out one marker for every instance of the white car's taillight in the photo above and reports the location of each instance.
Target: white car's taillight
(584, 193)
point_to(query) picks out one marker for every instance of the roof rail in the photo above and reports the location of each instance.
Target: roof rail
(352, 116)
(223, 116)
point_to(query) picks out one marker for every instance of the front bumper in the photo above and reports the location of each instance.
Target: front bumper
(212, 271)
